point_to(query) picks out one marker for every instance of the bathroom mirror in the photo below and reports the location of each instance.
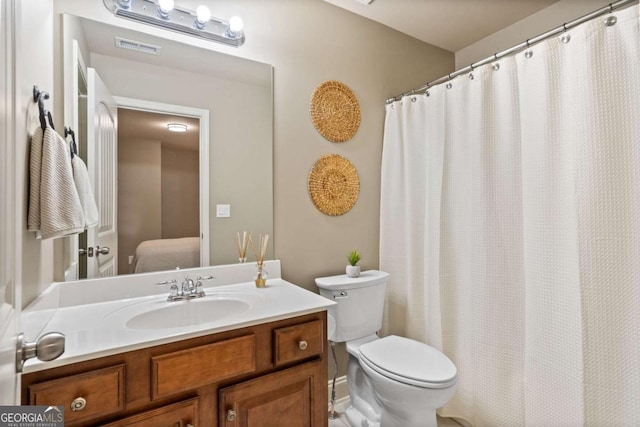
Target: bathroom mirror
(233, 97)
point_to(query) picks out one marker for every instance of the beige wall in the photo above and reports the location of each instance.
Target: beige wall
(180, 197)
(527, 28)
(139, 196)
(34, 66)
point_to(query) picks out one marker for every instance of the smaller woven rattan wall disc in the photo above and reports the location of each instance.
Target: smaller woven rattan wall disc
(334, 185)
(335, 111)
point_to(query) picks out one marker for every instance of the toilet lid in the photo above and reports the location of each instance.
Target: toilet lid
(409, 361)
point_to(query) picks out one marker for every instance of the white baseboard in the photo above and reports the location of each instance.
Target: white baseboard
(342, 392)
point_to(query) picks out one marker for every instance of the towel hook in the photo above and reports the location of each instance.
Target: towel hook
(73, 146)
(40, 96)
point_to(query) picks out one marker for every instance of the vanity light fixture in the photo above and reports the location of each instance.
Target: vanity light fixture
(165, 14)
(177, 127)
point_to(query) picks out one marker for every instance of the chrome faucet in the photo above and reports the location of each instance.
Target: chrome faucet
(188, 290)
(188, 287)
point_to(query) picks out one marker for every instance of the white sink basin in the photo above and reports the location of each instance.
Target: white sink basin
(161, 314)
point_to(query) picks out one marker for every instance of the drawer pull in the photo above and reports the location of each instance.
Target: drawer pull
(78, 404)
(189, 425)
(302, 345)
(231, 415)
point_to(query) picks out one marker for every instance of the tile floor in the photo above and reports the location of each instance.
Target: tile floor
(341, 421)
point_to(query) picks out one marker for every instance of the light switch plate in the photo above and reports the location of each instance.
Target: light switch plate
(223, 211)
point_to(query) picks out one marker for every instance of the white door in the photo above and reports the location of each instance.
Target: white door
(9, 300)
(102, 145)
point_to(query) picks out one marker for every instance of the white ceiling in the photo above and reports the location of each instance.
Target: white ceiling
(100, 39)
(449, 24)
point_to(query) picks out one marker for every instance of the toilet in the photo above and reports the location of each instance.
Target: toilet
(393, 381)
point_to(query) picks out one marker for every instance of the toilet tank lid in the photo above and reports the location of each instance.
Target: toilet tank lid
(342, 281)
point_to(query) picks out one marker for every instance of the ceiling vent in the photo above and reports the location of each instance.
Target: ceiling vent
(137, 46)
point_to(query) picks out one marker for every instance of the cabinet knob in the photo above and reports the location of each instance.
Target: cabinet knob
(231, 415)
(78, 404)
(189, 425)
(302, 345)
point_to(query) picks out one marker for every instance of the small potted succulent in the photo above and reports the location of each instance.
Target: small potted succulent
(353, 269)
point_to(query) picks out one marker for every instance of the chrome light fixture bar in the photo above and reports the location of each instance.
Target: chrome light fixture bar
(163, 14)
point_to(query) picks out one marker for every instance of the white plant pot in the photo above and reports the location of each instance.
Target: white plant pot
(353, 271)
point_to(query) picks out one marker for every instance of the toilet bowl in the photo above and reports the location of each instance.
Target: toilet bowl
(410, 380)
(393, 381)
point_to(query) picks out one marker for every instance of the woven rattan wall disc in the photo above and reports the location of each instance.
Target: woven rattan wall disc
(335, 111)
(333, 185)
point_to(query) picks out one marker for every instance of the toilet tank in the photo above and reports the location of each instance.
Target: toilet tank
(360, 303)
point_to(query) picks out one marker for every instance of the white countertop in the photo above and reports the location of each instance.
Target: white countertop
(99, 329)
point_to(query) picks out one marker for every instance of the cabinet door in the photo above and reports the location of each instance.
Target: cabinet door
(181, 414)
(292, 397)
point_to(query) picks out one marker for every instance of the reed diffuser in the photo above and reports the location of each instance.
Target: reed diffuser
(242, 245)
(261, 276)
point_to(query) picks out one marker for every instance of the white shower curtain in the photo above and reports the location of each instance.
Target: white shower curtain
(510, 225)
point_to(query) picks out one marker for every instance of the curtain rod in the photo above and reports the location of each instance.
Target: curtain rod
(529, 42)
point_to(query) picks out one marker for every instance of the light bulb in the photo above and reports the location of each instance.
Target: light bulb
(166, 6)
(203, 14)
(235, 24)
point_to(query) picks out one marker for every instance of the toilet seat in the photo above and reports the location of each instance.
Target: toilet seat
(409, 362)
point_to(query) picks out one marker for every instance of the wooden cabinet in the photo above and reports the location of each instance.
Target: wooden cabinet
(273, 374)
(284, 398)
(181, 414)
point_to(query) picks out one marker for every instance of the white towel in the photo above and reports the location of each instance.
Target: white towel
(35, 164)
(60, 210)
(85, 193)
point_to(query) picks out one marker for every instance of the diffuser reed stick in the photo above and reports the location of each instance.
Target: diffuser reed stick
(242, 245)
(264, 240)
(261, 276)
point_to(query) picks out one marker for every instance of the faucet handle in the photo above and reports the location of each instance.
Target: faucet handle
(199, 291)
(166, 282)
(174, 292)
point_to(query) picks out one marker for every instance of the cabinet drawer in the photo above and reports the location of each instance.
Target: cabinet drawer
(181, 414)
(189, 369)
(298, 342)
(102, 392)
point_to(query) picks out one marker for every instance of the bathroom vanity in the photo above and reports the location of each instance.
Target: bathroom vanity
(261, 366)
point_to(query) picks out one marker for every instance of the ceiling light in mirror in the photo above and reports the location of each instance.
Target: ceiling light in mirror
(177, 127)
